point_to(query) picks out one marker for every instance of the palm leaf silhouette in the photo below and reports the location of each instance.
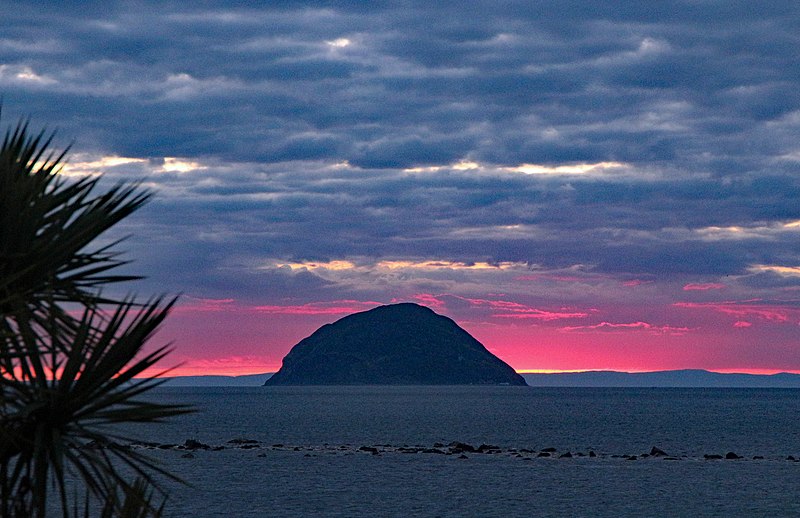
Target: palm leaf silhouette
(68, 383)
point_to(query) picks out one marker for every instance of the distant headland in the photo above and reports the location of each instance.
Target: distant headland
(397, 344)
(597, 379)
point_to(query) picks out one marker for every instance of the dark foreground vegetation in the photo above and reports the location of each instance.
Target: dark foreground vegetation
(68, 352)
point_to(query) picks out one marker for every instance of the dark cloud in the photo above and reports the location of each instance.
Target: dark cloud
(229, 227)
(682, 83)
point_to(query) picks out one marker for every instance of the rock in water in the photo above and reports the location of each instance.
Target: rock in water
(398, 344)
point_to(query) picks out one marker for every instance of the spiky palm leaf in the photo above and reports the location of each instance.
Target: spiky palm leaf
(68, 382)
(46, 227)
(59, 424)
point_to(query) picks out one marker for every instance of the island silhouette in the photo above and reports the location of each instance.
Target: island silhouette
(396, 344)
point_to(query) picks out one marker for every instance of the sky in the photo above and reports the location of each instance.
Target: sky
(580, 185)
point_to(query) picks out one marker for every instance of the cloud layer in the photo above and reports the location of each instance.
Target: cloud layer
(564, 178)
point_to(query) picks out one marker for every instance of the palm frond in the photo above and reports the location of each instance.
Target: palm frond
(69, 382)
(96, 388)
(47, 226)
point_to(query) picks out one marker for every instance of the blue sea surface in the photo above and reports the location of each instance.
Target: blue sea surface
(318, 469)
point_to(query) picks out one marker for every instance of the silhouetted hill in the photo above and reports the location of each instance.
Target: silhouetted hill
(399, 344)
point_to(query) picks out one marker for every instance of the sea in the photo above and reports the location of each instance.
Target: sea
(350, 451)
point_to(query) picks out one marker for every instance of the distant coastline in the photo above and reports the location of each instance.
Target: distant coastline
(688, 378)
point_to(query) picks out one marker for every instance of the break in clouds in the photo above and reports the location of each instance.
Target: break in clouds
(623, 166)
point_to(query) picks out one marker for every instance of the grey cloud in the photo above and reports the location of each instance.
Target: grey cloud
(623, 227)
(699, 99)
(604, 78)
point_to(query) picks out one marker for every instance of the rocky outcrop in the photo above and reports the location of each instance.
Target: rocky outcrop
(399, 344)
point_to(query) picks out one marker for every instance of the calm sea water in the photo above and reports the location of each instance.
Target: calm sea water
(328, 476)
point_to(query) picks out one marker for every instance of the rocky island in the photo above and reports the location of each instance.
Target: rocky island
(397, 344)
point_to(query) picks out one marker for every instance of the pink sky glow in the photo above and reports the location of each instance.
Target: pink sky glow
(576, 199)
(228, 338)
